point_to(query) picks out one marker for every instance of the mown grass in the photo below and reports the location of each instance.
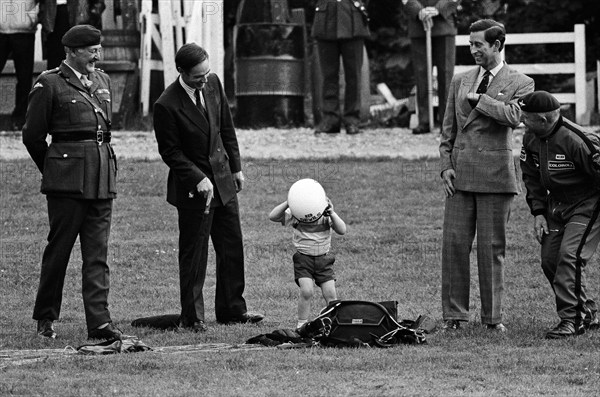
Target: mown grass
(391, 252)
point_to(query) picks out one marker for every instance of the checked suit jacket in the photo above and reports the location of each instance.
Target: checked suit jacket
(477, 142)
(195, 148)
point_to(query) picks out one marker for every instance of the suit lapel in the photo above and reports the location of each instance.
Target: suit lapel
(190, 110)
(211, 110)
(467, 86)
(499, 81)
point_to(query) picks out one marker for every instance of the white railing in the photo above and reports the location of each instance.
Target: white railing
(576, 37)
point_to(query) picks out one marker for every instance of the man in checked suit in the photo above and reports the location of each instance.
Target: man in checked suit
(197, 140)
(479, 175)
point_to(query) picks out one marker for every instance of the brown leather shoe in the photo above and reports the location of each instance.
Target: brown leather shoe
(45, 328)
(496, 327)
(451, 325)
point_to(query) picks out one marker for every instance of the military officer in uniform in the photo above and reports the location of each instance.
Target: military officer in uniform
(72, 103)
(562, 190)
(439, 17)
(340, 28)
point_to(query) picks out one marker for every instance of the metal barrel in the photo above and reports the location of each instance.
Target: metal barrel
(269, 61)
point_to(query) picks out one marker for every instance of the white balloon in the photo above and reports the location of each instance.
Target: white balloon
(307, 200)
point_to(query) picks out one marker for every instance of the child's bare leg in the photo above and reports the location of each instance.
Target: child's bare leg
(304, 297)
(328, 290)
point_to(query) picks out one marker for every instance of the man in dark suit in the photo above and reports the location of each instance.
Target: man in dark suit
(79, 170)
(197, 140)
(340, 28)
(439, 16)
(479, 175)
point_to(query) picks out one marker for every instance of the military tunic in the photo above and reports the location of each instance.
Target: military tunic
(340, 28)
(79, 170)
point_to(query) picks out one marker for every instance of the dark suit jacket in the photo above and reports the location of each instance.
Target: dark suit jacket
(477, 142)
(195, 148)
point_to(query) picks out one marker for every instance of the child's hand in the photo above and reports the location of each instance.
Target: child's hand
(329, 208)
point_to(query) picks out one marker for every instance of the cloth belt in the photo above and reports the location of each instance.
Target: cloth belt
(82, 136)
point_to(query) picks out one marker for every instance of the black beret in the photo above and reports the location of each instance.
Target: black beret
(538, 102)
(81, 36)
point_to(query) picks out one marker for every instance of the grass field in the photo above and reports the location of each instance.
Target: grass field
(393, 210)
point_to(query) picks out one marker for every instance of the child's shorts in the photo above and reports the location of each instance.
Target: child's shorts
(319, 268)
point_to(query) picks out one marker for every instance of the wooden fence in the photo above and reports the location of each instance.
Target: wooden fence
(577, 67)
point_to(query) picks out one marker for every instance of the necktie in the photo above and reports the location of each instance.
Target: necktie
(85, 81)
(483, 86)
(199, 104)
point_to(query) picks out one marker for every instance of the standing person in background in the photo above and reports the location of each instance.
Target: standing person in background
(197, 140)
(18, 22)
(79, 169)
(340, 28)
(58, 16)
(440, 17)
(479, 175)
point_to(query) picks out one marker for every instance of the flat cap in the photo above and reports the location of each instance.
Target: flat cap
(538, 102)
(81, 36)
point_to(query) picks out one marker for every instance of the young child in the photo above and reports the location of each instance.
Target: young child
(312, 261)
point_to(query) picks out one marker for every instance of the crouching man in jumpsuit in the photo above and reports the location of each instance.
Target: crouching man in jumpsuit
(562, 190)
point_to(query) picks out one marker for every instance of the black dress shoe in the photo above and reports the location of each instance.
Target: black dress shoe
(45, 328)
(197, 326)
(591, 320)
(565, 329)
(108, 332)
(327, 129)
(421, 129)
(352, 129)
(245, 318)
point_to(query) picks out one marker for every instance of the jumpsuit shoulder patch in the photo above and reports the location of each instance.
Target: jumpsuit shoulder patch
(523, 156)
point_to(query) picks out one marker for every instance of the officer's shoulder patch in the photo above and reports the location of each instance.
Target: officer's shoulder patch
(100, 70)
(37, 85)
(55, 70)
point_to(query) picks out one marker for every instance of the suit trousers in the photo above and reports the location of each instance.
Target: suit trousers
(559, 249)
(22, 46)
(467, 213)
(443, 56)
(351, 51)
(222, 225)
(54, 49)
(91, 220)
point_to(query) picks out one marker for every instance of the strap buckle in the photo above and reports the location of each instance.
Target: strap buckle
(99, 136)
